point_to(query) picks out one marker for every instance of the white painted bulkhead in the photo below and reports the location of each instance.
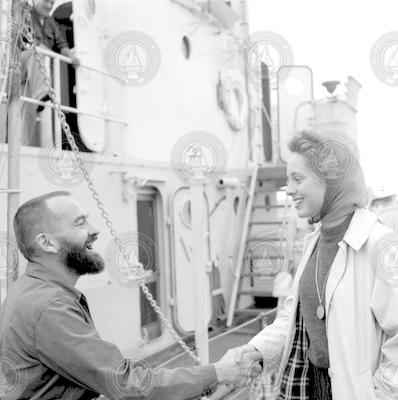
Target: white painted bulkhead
(180, 98)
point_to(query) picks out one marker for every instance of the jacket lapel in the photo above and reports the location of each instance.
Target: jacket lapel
(355, 237)
(337, 270)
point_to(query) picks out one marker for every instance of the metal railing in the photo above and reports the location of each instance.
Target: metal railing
(68, 60)
(56, 60)
(261, 315)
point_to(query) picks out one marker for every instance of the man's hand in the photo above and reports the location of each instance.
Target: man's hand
(228, 370)
(71, 54)
(75, 61)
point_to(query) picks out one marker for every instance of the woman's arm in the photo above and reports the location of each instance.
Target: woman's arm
(384, 304)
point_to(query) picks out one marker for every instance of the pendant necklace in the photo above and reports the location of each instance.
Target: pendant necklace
(320, 311)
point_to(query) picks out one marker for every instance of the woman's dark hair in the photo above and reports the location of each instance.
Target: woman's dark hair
(305, 143)
(333, 159)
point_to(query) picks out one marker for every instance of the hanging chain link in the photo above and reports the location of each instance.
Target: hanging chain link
(104, 213)
(9, 60)
(9, 55)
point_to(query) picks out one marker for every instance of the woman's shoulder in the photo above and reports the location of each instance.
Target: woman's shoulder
(379, 231)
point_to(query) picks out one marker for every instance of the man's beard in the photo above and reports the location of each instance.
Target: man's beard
(80, 260)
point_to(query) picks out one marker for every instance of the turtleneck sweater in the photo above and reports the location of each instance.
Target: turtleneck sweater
(327, 246)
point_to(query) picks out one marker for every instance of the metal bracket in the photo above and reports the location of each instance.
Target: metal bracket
(130, 184)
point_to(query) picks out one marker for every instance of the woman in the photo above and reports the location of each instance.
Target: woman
(337, 335)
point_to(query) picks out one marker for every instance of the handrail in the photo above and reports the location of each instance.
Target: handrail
(260, 315)
(72, 110)
(68, 60)
(242, 245)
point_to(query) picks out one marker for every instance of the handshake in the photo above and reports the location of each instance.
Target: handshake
(239, 366)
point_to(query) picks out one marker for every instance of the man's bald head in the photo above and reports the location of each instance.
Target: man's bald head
(32, 218)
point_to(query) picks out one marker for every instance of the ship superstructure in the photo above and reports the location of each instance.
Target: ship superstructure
(179, 136)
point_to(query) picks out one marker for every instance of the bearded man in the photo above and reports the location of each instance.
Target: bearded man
(49, 347)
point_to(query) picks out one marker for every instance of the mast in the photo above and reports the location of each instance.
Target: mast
(14, 138)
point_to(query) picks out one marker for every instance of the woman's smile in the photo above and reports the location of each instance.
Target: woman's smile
(298, 203)
(305, 187)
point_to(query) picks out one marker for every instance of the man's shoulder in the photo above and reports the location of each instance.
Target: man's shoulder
(29, 296)
(24, 304)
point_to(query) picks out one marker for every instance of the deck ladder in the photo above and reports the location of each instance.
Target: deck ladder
(263, 226)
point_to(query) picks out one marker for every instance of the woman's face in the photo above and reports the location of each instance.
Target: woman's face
(305, 187)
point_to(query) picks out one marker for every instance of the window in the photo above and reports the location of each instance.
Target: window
(148, 223)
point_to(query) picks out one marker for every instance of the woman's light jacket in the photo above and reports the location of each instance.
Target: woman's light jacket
(361, 313)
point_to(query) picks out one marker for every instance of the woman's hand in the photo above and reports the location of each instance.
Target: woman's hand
(242, 350)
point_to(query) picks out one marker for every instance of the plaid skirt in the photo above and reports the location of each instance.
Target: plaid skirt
(300, 380)
(320, 385)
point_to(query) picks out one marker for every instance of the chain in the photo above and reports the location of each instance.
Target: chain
(21, 23)
(9, 51)
(104, 214)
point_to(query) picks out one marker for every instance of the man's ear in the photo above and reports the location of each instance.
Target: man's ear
(47, 243)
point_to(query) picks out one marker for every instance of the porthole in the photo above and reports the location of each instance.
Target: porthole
(267, 202)
(236, 204)
(90, 8)
(186, 47)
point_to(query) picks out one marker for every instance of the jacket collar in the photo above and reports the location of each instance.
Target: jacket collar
(359, 229)
(48, 274)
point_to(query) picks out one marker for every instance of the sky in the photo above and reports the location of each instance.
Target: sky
(335, 39)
